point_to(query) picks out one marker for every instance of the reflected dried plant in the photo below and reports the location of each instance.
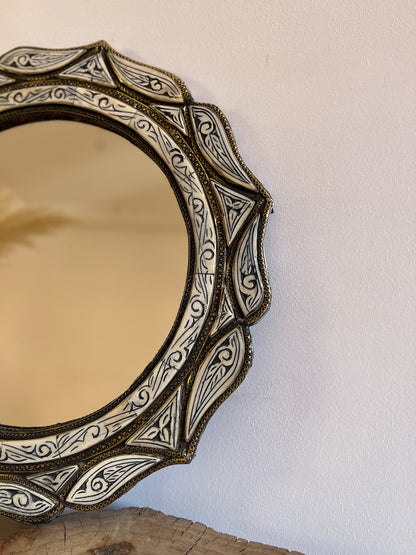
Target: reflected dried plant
(20, 222)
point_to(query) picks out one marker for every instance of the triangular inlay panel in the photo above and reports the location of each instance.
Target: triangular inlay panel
(225, 313)
(54, 480)
(163, 430)
(91, 69)
(236, 209)
(174, 114)
(37, 60)
(4, 80)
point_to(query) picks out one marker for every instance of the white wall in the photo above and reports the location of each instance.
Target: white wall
(316, 450)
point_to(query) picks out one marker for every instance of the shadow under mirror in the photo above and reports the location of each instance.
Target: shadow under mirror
(93, 261)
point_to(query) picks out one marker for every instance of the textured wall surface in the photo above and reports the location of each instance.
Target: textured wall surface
(316, 450)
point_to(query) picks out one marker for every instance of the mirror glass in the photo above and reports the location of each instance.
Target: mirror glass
(93, 261)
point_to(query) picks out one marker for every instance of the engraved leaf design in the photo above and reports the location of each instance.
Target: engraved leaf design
(18, 499)
(36, 60)
(106, 477)
(215, 145)
(247, 277)
(92, 69)
(146, 80)
(220, 369)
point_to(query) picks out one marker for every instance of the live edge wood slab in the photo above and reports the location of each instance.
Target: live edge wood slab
(129, 531)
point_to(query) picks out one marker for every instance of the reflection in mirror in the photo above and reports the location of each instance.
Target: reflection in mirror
(89, 231)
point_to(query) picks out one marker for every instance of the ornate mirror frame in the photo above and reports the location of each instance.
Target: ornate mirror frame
(87, 463)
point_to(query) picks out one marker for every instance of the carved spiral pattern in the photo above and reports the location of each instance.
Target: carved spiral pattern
(34, 60)
(92, 69)
(174, 115)
(21, 500)
(28, 451)
(103, 479)
(249, 285)
(163, 429)
(146, 80)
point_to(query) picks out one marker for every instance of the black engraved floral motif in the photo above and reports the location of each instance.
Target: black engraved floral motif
(104, 478)
(146, 80)
(34, 60)
(21, 500)
(162, 430)
(215, 145)
(220, 368)
(174, 114)
(91, 69)
(249, 286)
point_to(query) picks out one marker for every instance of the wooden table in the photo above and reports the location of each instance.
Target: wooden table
(129, 531)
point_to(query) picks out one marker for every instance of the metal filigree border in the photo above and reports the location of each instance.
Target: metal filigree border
(87, 463)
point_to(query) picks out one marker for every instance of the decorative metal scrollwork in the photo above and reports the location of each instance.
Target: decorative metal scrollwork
(89, 462)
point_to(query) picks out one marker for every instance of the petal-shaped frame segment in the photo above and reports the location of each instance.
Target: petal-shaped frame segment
(89, 462)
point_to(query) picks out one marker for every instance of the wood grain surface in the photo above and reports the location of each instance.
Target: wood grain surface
(129, 531)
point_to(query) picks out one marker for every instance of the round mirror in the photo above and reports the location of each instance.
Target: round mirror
(89, 232)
